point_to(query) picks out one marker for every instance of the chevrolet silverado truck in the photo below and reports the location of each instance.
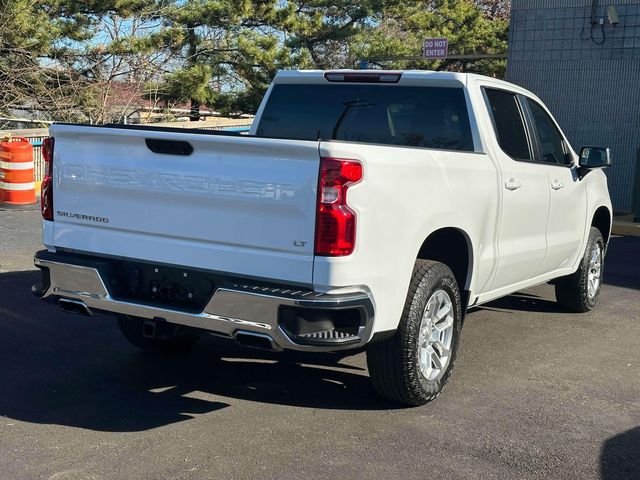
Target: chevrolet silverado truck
(364, 209)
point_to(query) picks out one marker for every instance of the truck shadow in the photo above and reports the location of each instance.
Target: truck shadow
(622, 264)
(622, 269)
(522, 301)
(620, 456)
(57, 368)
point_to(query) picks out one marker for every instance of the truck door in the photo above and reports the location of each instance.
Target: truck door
(568, 209)
(525, 193)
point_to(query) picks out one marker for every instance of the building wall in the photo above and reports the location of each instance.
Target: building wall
(592, 89)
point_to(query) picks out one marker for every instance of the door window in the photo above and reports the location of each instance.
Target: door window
(509, 124)
(552, 145)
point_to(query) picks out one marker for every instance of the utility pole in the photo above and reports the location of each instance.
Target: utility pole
(192, 40)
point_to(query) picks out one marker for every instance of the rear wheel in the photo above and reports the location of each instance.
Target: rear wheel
(157, 337)
(579, 292)
(413, 366)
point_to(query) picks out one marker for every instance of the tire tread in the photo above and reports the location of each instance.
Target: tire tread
(387, 360)
(572, 291)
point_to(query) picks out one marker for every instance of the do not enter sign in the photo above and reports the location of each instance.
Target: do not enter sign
(435, 48)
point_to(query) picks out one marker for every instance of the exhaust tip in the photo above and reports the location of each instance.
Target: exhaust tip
(255, 340)
(74, 306)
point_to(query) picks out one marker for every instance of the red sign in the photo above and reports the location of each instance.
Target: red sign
(435, 48)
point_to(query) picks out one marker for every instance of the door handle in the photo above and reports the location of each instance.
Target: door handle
(512, 184)
(557, 184)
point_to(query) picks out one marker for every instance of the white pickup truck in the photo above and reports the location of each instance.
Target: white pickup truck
(364, 208)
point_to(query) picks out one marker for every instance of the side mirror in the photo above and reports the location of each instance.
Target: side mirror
(595, 157)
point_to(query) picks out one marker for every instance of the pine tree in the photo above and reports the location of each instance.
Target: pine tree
(469, 25)
(30, 31)
(320, 31)
(208, 37)
(65, 58)
(300, 34)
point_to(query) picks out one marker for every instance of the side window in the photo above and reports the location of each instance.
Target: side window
(509, 124)
(552, 144)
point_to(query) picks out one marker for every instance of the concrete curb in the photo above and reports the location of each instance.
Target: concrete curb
(8, 207)
(20, 208)
(624, 225)
(626, 228)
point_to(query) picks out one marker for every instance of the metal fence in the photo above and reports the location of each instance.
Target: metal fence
(234, 128)
(38, 162)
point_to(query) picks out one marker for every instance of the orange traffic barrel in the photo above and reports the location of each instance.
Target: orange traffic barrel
(17, 186)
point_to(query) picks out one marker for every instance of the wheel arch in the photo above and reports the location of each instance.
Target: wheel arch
(451, 246)
(602, 221)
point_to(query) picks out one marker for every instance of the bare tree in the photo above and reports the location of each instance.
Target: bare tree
(495, 9)
(95, 75)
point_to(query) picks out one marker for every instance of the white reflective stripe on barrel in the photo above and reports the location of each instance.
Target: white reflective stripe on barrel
(17, 186)
(16, 165)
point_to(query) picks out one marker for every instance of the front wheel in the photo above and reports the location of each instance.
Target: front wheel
(579, 292)
(413, 366)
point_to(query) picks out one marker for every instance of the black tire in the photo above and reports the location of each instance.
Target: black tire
(572, 292)
(393, 363)
(170, 339)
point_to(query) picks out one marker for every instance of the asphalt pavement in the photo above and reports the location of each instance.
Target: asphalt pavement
(536, 393)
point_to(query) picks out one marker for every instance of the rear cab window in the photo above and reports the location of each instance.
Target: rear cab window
(428, 117)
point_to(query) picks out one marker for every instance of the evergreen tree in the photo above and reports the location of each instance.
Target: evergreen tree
(298, 34)
(401, 29)
(245, 43)
(210, 36)
(30, 31)
(320, 31)
(65, 58)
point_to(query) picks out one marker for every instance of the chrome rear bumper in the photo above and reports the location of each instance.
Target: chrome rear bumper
(233, 308)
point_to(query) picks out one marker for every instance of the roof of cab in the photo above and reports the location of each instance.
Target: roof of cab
(408, 77)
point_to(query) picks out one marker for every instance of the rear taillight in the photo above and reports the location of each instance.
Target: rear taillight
(335, 221)
(46, 195)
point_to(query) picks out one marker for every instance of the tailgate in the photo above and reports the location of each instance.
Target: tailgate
(242, 205)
